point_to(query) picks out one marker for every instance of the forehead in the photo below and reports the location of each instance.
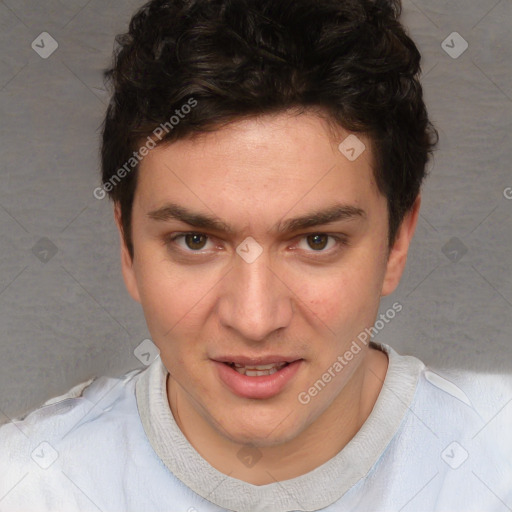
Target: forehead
(272, 163)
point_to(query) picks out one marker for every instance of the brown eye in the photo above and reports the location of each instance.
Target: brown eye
(318, 241)
(193, 241)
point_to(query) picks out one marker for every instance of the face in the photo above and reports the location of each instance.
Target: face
(260, 243)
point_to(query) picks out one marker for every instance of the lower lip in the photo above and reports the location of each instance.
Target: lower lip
(264, 386)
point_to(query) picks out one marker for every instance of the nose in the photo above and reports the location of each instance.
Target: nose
(255, 300)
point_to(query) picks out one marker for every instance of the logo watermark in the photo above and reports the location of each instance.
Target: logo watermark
(342, 361)
(159, 132)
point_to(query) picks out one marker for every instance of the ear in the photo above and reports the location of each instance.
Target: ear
(127, 266)
(398, 254)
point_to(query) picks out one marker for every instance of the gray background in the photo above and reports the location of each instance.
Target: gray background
(64, 313)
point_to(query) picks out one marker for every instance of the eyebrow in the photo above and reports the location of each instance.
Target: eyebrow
(337, 212)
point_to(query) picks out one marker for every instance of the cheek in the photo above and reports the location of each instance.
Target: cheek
(345, 293)
(167, 311)
(328, 299)
(164, 295)
(176, 303)
(342, 307)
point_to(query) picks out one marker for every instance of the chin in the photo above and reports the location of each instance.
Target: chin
(259, 433)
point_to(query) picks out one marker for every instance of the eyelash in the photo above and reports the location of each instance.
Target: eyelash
(341, 241)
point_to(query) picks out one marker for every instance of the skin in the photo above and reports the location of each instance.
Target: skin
(305, 297)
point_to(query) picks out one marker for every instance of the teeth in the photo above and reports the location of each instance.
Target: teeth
(259, 370)
(261, 366)
(257, 373)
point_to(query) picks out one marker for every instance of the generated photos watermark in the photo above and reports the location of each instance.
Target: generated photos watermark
(159, 132)
(363, 338)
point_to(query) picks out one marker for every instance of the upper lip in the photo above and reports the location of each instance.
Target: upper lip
(256, 361)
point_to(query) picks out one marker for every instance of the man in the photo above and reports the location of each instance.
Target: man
(265, 160)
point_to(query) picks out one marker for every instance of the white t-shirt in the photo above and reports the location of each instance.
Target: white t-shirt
(432, 443)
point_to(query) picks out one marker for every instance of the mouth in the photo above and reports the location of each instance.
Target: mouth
(257, 370)
(258, 379)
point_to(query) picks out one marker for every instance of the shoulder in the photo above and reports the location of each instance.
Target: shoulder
(85, 450)
(85, 412)
(480, 398)
(454, 439)
(467, 420)
(451, 398)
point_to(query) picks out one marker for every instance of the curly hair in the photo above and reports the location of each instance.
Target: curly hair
(350, 59)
